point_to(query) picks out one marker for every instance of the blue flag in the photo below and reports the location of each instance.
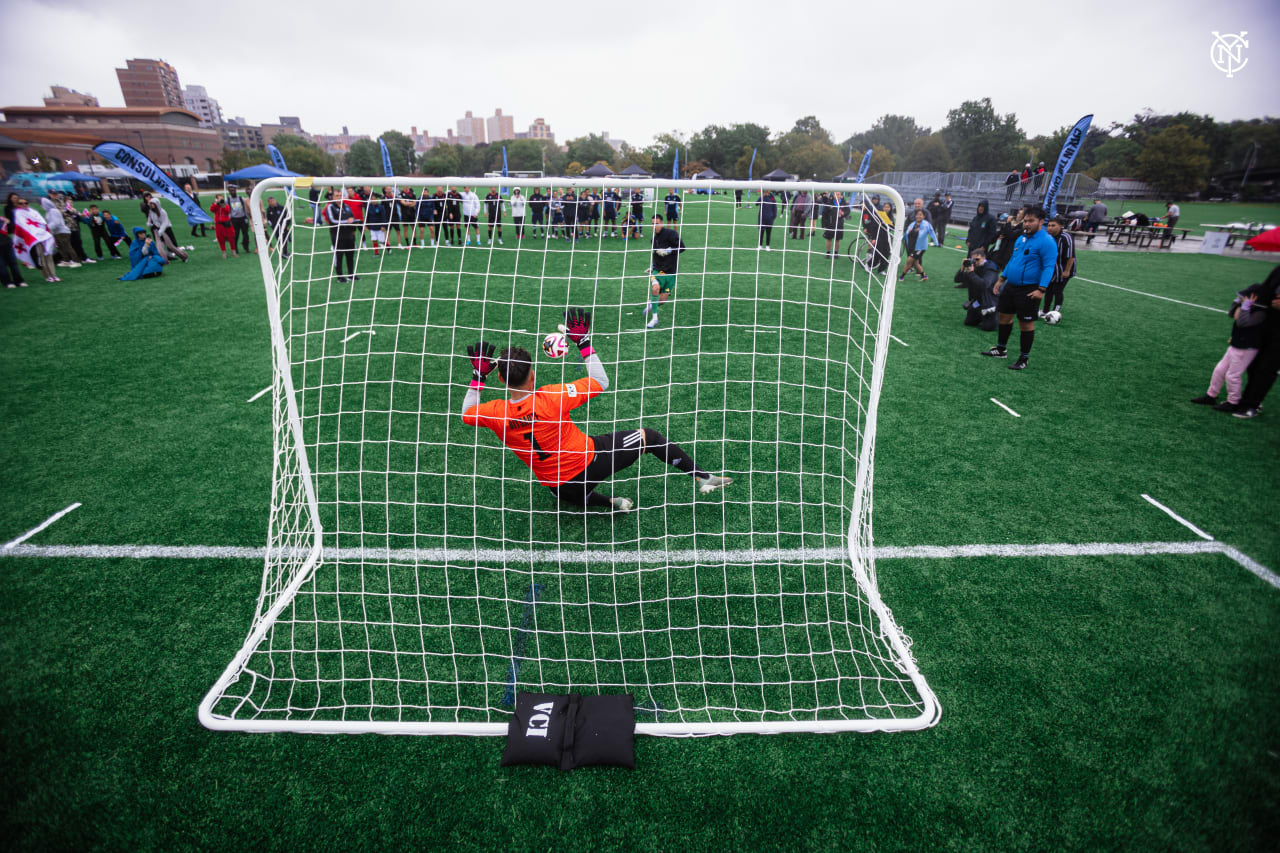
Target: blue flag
(1070, 148)
(504, 161)
(675, 167)
(752, 164)
(149, 173)
(277, 159)
(386, 158)
(862, 169)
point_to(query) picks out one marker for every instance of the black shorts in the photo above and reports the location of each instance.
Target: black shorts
(471, 220)
(1018, 301)
(611, 216)
(836, 234)
(613, 452)
(919, 256)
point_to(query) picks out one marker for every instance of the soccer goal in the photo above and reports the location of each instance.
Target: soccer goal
(417, 576)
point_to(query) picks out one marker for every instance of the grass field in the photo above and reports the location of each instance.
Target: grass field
(1196, 213)
(1088, 701)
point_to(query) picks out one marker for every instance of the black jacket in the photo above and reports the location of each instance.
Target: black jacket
(667, 238)
(982, 228)
(980, 280)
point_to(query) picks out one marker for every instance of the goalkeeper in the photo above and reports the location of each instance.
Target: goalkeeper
(535, 423)
(667, 247)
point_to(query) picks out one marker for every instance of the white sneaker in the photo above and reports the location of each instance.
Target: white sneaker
(711, 483)
(621, 504)
(499, 242)
(653, 321)
(74, 265)
(63, 264)
(191, 248)
(768, 248)
(89, 261)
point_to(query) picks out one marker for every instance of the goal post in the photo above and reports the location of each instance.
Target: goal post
(416, 575)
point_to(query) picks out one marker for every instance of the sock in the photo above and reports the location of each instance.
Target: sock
(672, 454)
(654, 303)
(1002, 340)
(1025, 341)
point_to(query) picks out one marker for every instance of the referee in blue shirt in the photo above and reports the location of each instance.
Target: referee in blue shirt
(1022, 284)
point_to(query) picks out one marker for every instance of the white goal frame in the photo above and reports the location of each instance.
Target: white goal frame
(276, 593)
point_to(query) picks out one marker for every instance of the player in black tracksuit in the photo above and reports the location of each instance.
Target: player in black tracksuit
(493, 212)
(538, 211)
(667, 248)
(637, 210)
(570, 204)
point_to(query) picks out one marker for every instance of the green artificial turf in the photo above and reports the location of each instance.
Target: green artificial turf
(1088, 702)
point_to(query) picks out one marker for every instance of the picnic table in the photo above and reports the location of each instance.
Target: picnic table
(1236, 229)
(1143, 235)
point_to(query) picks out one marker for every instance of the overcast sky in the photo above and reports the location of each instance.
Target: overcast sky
(638, 70)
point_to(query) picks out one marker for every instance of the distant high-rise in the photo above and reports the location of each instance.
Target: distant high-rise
(150, 83)
(64, 97)
(197, 100)
(500, 127)
(541, 130)
(470, 130)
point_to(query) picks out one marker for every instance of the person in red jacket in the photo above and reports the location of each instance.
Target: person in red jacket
(222, 227)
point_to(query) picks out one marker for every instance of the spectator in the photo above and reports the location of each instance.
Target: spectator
(1097, 216)
(223, 230)
(584, 213)
(278, 229)
(799, 216)
(556, 205)
(1063, 270)
(982, 229)
(737, 198)
(377, 216)
(1248, 332)
(833, 215)
(470, 216)
(611, 203)
(1172, 212)
(427, 219)
(61, 234)
(493, 212)
(32, 237)
(918, 205)
(673, 206)
(115, 231)
(1026, 179)
(1009, 231)
(934, 207)
(569, 206)
(637, 211)
(453, 214)
(158, 219)
(342, 221)
(1262, 370)
(98, 231)
(72, 217)
(538, 211)
(239, 217)
(518, 206)
(1021, 286)
(1038, 178)
(768, 213)
(1010, 181)
(881, 234)
(595, 211)
(919, 235)
(197, 228)
(10, 273)
(978, 276)
(145, 258)
(943, 219)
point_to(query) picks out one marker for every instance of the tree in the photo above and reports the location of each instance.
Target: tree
(574, 168)
(1117, 157)
(743, 167)
(881, 160)
(364, 158)
(810, 126)
(662, 153)
(1047, 148)
(630, 156)
(979, 140)
(894, 132)
(589, 149)
(928, 154)
(721, 147)
(400, 149)
(442, 161)
(234, 161)
(813, 160)
(304, 156)
(1174, 161)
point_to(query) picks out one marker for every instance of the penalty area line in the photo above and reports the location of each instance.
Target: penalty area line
(900, 340)
(1196, 530)
(259, 394)
(13, 543)
(361, 332)
(1006, 408)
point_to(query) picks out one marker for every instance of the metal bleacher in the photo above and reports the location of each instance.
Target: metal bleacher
(968, 188)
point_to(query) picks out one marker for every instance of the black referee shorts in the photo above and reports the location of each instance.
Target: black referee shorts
(614, 451)
(1017, 300)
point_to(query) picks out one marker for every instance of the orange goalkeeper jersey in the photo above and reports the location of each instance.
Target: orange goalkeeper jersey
(540, 432)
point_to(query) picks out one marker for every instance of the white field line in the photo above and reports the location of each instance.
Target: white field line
(259, 394)
(1128, 289)
(1006, 408)
(13, 543)
(361, 332)
(647, 557)
(900, 340)
(1196, 530)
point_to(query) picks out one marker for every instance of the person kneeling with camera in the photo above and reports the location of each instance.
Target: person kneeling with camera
(979, 275)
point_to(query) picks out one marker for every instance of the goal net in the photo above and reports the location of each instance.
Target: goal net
(417, 576)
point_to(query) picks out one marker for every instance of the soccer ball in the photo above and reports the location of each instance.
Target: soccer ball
(1053, 317)
(555, 345)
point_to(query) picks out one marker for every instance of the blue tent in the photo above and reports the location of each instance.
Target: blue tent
(74, 176)
(260, 172)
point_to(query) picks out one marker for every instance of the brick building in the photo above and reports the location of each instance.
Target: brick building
(500, 127)
(470, 130)
(150, 83)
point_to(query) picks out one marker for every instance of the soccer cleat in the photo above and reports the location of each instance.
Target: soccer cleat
(711, 482)
(1204, 400)
(1226, 406)
(995, 352)
(1245, 413)
(1020, 364)
(653, 321)
(621, 504)
(924, 278)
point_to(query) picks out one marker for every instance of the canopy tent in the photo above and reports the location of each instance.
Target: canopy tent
(74, 176)
(779, 175)
(260, 172)
(635, 171)
(599, 170)
(706, 175)
(846, 175)
(1267, 241)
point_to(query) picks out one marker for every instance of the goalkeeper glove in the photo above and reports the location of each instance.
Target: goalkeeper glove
(662, 252)
(577, 328)
(480, 354)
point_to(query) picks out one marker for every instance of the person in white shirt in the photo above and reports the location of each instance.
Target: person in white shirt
(518, 205)
(1171, 214)
(470, 216)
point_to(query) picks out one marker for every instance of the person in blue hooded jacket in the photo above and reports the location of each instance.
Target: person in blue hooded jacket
(145, 256)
